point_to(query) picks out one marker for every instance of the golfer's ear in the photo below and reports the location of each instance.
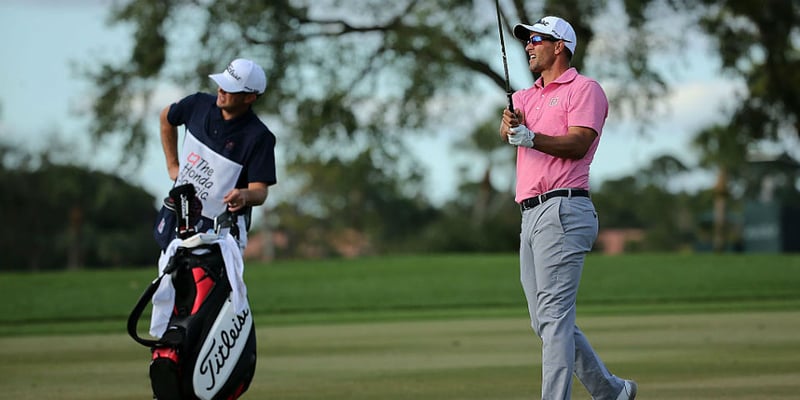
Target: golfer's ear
(561, 46)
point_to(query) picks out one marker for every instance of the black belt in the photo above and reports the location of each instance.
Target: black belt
(531, 202)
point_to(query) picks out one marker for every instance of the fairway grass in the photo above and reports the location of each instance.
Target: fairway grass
(414, 287)
(424, 327)
(728, 355)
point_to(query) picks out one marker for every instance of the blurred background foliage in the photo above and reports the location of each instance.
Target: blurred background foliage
(354, 80)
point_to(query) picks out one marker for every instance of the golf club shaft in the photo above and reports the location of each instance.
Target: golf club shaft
(505, 61)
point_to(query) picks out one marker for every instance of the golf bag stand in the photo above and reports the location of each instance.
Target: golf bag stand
(208, 350)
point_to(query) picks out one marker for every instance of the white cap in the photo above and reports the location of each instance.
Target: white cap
(241, 76)
(551, 26)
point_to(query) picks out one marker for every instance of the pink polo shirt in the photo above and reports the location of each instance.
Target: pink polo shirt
(570, 100)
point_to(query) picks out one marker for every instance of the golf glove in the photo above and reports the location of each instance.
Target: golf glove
(520, 135)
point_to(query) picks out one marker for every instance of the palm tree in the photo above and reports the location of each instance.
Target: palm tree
(723, 148)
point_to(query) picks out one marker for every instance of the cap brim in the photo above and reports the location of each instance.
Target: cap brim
(225, 83)
(523, 32)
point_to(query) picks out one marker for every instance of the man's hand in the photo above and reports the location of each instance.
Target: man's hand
(509, 121)
(520, 135)
(254, 195)
(236, 199)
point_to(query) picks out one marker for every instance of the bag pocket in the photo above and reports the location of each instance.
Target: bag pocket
(164, 228)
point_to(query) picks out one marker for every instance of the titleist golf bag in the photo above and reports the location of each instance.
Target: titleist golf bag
(208, 350)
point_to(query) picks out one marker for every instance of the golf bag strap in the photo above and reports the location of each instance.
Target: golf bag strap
(138, 309)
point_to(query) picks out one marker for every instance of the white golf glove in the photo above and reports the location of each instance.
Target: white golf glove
(520, 135)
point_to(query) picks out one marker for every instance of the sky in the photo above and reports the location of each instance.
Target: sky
(44, 39)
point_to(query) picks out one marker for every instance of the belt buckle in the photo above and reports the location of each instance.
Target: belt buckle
(542, 198)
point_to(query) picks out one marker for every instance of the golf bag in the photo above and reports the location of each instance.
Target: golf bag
(207, 350)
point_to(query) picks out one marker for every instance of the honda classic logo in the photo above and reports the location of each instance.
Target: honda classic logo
(198, 172)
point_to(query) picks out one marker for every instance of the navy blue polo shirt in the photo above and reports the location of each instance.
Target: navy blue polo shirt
(245, 140)
(217, 156)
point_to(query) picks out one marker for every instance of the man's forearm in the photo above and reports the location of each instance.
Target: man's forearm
(169, 143)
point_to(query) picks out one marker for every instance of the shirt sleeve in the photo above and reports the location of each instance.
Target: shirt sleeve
(589, 107)
(261, 165)
(180, 112)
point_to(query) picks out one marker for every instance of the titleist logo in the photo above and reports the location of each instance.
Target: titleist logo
(214, 360)
(232, 72)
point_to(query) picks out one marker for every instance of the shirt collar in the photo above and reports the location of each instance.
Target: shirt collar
(565, 77)
(217, 115)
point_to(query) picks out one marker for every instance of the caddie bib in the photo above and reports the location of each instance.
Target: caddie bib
(212, 175)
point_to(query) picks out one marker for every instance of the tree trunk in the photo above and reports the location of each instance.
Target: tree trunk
(74, 256)
(481, 205)
(718, 239)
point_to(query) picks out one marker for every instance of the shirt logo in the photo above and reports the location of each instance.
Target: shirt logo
(553, 102)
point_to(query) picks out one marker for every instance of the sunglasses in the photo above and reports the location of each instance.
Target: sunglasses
(538, 39)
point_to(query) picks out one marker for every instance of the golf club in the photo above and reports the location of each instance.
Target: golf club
(505, 61)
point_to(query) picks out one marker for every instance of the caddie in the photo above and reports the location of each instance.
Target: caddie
(227, 153)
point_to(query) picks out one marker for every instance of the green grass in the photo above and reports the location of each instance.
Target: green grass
(424, 286)
(730, 356)
(429, 327)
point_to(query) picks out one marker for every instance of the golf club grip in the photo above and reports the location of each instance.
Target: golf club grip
(510, 102)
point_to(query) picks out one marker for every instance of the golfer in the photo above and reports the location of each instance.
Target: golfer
(556, 129)
(228, 154)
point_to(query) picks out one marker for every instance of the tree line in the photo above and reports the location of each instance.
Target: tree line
(353, 79)
(63, 216)
(69, 217)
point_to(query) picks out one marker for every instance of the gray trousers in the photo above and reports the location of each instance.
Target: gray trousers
(555, 237)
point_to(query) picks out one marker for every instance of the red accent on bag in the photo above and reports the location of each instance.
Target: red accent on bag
(203, 284)
(165, 352)
(239, 391)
